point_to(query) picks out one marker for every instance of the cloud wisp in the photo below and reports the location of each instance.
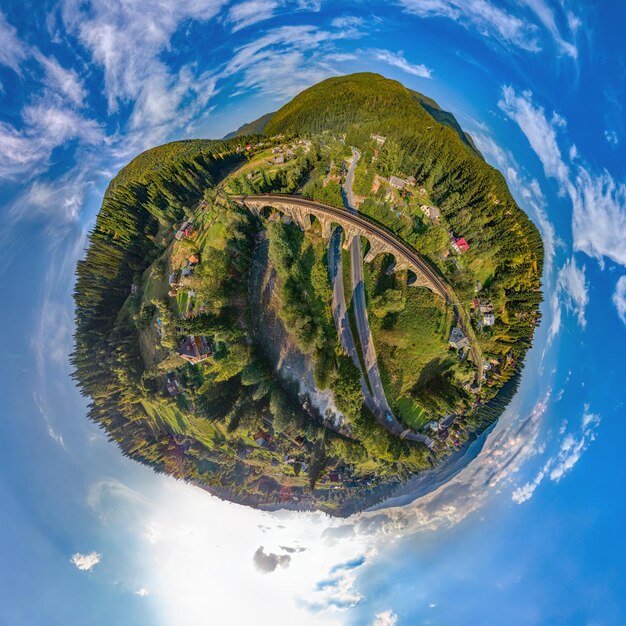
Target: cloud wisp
(396, 59)
(85, 562)
(523, 26)
(598, 201)
(619, 298)
(570, 450)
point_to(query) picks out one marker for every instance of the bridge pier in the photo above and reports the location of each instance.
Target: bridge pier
(350, 234)
(376, 248)
(327, 227)
(303, 220)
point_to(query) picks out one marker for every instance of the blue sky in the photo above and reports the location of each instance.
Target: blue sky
(529, 532)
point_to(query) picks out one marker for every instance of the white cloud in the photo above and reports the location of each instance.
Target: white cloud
(142, 593)
(611, 137)
(396, 59)
(546, 16)
(267, 562)
(569, 452)
(572, 285)
(347, 21)
(86, 562)
(598, 202)
(251, 12)
(127, 40)
(385, 618)
(287, 60)
(599, 215)
(12, 50)
(521, 29)
(63, 81)
(482, 16)
(46, 127)
(540, 133)
(619, 298)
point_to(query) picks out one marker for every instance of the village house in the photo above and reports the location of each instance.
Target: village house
(194, 259)
(489, 319)
(261, 438)
(180, 233)
(473, 388)
(396, 183)
(379, 139)
(457, 339)
(279, 159)
(431, 212)
(411, 181)
(195, 349)
(173, 280)
(459, 245)
(172, 386)
(447, 420)
(486, 308)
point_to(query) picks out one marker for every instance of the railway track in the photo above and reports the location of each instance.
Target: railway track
(395, 243)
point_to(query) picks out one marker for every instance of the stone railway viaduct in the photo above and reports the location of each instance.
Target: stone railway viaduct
(381, 241)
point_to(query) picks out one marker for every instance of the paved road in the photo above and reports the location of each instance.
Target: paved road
(346, 189)
(381, 409)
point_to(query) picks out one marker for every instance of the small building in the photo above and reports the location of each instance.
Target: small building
(194, 259)
(261, 438)
(457, 339)
(278, 159)
(486, 308)
(195, 349)
(489, 319)
(379, 139)
(396, 183)
(172, 385)
(411, 181)
(173, 279)
(134, 290)
(187, 271)
(431, 212)
(460, 245)
(433, 425)
(447, 420)
(180, 233)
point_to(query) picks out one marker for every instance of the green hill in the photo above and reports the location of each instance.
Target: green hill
(251, 128)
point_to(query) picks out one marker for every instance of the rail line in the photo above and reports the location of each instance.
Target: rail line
(394, 242)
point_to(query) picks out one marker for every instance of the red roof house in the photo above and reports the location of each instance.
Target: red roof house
(460, 245)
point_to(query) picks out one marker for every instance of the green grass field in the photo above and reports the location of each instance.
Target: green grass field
(408, 341)
(412, 414)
